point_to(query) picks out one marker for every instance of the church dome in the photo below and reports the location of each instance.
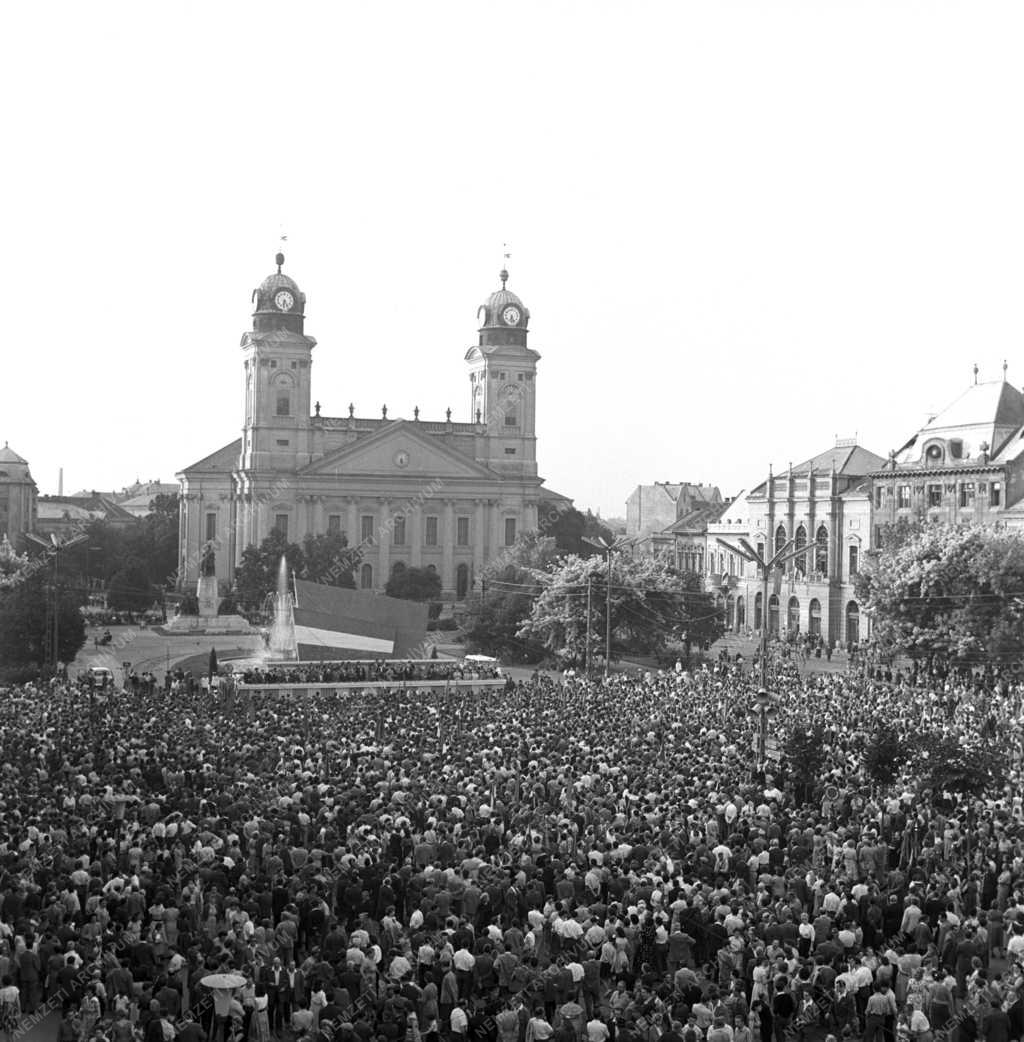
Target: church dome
(13, 469)
(503, 309)
(279, 303)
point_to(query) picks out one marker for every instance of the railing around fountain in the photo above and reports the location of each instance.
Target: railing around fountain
(366, 685)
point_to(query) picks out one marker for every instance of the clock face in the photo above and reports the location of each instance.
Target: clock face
(402, 458)
(510, 316)
(284, 300)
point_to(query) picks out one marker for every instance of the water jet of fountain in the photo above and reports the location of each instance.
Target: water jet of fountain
(282, 630)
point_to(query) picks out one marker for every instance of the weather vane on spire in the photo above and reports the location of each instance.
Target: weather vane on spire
(506, 255)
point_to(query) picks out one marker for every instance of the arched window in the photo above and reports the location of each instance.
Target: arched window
(741, 613)
(432, 568)
(366, 577)
(800, 563)
(814, 618)
(462, 581)
(398, 568)
(773, 615)
(852, 623)
(758, 610)
(821, 550)
(730, 608)
(780, 538)
(793, 616)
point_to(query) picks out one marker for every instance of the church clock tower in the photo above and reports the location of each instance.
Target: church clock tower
(503, 386)
(277, 367)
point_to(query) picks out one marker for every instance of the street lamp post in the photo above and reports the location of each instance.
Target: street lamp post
(761, 708)
(765, 565)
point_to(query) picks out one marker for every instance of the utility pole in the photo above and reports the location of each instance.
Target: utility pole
(55, 592)
(608, 617)
(590, 621)
(608, 549)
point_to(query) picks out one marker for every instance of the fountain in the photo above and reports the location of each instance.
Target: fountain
(282, 629)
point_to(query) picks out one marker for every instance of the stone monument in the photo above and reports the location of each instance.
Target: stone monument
(206, 589)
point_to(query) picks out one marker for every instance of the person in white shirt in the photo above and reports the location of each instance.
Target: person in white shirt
(459, 1022)
(597, 1030)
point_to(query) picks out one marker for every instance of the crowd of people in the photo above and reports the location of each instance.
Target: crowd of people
(373, 670)
(566, 858)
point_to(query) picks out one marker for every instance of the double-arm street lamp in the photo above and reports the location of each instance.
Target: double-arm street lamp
(765, 565)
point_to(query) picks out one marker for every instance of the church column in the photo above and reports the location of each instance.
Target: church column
(415, 534)
(319, 526)
(188, 546)
(384, 535)
(530, 515)
(301, 518)
(249, 520)
(479, 537)
(495, 540)
(352, 521)
(448, 547)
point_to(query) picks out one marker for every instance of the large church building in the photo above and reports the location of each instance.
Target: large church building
(438, 494)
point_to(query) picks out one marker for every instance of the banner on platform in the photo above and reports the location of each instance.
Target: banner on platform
(336, 623)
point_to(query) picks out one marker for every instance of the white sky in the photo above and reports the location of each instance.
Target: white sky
(741, 228)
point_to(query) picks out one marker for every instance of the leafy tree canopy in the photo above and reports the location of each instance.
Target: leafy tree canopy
(650, 605)
(948, 591)
(414, 584)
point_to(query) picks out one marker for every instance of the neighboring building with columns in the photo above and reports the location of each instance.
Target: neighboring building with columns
(823, 504)
(444, 495)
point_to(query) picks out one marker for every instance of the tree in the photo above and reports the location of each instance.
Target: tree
(650, 605)
(154, 541)
(495, 614)
(571, 529)
(885, 753)
(962, 766)
(414, 584)
(805, 755)
(26, 600)
(330, 560)
(258, 572)
(130, 588)
(948, 591)
(492, 626)
(250, 582)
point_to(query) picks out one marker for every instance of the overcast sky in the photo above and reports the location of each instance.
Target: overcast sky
(741, 228)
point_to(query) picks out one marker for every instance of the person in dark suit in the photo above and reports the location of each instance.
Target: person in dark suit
(279, 994)
(28, 980)
(297, 980)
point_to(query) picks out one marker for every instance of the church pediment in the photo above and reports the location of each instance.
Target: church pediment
(398, 450)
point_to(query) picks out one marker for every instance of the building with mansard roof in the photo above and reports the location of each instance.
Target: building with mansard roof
(443, 494)
(965, 465)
